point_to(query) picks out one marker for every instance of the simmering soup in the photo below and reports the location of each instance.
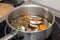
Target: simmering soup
(30, 23)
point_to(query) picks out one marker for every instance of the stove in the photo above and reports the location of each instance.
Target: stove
(55, 35)
(5, 29)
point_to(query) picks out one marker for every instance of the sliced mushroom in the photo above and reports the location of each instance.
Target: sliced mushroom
(22, 28)
(32, 25)
(35, 22)
(36, 18)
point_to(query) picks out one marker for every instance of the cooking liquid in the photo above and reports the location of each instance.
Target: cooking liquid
(33, 24)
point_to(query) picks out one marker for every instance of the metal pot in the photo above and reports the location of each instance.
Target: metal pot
(33, 9)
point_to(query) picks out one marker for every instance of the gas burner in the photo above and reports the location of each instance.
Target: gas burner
(58, 20)
(8, 30)
(57, 24)
(17, 37)
(55, 35)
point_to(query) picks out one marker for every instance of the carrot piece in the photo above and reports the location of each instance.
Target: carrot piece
(20, 22)
(42, 27)
(26, 18)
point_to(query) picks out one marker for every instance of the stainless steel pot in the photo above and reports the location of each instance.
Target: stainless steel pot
(33, 9)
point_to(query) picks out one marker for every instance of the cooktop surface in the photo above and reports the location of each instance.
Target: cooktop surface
(55, 35)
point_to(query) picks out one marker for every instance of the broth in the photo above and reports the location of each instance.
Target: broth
(30, 23)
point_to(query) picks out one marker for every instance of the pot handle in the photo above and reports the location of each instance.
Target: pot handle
(9, 36)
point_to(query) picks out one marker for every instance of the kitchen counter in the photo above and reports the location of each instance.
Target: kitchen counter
(54, 4)
(51, 3)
